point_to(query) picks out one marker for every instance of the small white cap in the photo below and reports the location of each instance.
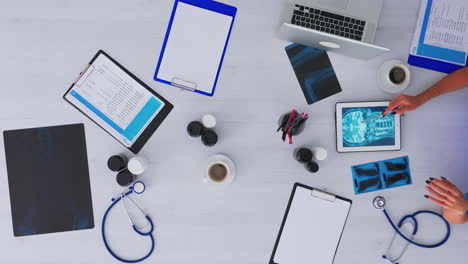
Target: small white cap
(320, 153)
(209, 121)
(137, 165)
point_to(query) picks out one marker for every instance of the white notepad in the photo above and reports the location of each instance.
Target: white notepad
(194, 48)
(312, 227)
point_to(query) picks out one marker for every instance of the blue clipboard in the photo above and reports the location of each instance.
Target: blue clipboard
(435, 52)
(185, 83)
(435, 65)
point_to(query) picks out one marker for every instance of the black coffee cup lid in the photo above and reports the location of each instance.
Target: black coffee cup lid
(116, 163)
(304, 155)
(124, 178)
(209, 138)
(195, 129)
(312, 166)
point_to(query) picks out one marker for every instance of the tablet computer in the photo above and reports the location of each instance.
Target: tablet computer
(361, 127)
(119, 102)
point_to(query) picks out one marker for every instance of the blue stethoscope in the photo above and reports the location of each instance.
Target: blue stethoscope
(379, 203)
(138, 188)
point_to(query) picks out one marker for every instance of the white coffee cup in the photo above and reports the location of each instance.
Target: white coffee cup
(393, 76)
(137, 165)
(219, 170)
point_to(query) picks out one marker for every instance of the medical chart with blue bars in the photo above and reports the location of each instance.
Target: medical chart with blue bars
(443, 31)
(114, 100)
(380, 175)
(137, 124)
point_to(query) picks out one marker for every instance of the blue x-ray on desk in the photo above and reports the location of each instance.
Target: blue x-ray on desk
(383, 174)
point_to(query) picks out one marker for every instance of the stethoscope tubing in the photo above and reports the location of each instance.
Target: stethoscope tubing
(149, 233)
(413, 217)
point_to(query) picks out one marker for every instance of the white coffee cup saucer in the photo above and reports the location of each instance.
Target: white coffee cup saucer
(216, 159)
(383, 79)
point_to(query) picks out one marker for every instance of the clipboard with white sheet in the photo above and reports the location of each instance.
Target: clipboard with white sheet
(117, 101)
(440, 40)
(311, 228)
(194, 46)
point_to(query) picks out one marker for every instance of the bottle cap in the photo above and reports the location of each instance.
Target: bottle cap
(195, 129)
(312, 166)
(125, 178)
(304, 155)
(320, 153)
(137, 165)
(209, 121)
(209, 138)
(116, 163)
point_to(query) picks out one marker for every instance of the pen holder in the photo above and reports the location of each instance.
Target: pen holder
(285, 117)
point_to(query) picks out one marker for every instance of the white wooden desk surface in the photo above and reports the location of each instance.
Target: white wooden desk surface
(44, 45)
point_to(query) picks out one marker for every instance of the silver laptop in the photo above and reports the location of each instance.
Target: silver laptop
(344, 26)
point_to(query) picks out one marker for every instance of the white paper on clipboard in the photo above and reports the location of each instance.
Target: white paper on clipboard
(195, 46)
(312, 229)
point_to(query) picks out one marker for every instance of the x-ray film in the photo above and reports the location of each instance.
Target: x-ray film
(362, 127)
(380, 175)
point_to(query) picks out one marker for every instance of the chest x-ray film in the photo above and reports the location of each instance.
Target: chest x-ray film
(380, 175)
(48, 179)
(362, 127)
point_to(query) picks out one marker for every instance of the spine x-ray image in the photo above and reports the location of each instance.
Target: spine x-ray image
(379, 131)
(381, 175)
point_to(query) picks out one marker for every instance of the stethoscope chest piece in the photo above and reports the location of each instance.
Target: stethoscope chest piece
(138, 187)
(379, 202)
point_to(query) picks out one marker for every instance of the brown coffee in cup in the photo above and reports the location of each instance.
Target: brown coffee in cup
(218, 172)
(397, 75)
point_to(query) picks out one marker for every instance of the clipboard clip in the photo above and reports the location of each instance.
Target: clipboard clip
(186, 85)
(84, 73)
(323, 195)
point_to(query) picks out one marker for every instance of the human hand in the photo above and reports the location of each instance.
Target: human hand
(447, 195)
(403, 103)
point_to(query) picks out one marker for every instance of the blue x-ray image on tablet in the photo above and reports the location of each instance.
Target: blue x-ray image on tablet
(379, 131)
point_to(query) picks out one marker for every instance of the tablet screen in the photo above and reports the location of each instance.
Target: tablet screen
(115, 100)
(362, 127)
(376, 132)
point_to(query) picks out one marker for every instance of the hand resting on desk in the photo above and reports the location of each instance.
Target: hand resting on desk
(452, 200)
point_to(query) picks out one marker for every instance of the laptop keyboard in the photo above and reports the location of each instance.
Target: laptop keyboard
(327, 22)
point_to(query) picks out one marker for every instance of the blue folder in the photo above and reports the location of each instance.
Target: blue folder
(430, 57)
(210, 6)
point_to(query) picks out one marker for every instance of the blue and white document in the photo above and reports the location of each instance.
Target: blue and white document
(117, 101)
(441, 35)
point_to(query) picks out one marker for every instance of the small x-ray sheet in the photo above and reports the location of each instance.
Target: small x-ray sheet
(380, 175)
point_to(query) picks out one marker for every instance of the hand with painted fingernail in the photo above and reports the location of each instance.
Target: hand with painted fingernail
(447, 195)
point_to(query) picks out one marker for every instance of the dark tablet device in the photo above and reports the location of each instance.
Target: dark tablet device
(119, 102)
(48, 179)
